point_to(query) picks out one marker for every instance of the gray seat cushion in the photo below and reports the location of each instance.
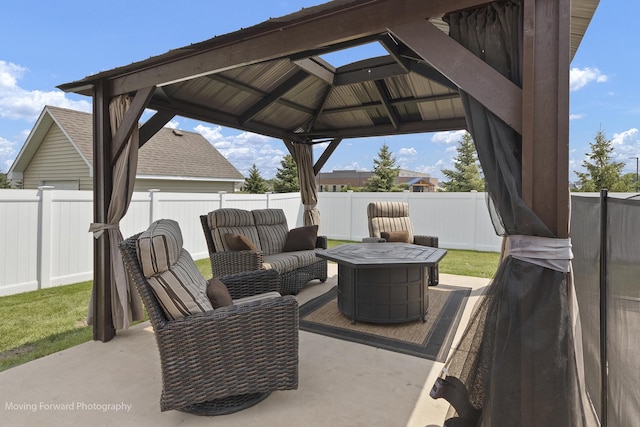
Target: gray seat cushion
(289, 261)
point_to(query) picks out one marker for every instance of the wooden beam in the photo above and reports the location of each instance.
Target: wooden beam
(385, 130)
(432, 74)
(325, 155)
(197, 112)
(153, 125)
(369, 74)
(315, 68)
(273, 96)
(350, 22)
(412, 62)
(103, 328)
(545, 136)
(227, 81)
(319, 111)
(256, 92)
(386, 104)
(394, 102)
(497, 93)
(391, 45)
(289, 145)
(130, 122)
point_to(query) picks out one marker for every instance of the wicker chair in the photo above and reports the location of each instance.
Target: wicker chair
(392, 217)
(225, 360)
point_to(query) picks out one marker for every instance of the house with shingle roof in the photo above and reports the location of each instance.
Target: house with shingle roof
(59, 152)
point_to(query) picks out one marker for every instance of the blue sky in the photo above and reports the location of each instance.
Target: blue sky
(44, 44)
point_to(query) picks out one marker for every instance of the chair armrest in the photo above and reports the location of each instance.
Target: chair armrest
(232, 262)
(250, 283)
(426, 241)
(255, 341)
(207, 328)
(321, 242)
(373, 240)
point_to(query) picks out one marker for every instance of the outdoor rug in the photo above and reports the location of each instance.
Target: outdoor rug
(429, 340)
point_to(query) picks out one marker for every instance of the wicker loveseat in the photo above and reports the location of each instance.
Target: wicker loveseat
(214, 360)
(268, 231)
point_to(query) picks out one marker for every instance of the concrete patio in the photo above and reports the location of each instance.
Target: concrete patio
(340, 383)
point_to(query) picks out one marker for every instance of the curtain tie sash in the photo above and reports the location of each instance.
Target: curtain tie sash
(309, 207)
(98, 228)
(547, 252)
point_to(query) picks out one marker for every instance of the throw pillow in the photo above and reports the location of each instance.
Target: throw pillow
(301, 239)
(396, 236)
(218, 293)
(238, 242)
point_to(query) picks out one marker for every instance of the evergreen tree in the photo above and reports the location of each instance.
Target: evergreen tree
(467, 173)
(255, 184)
(602, 173)
(385, 172)
(4, 182)
(286, 180)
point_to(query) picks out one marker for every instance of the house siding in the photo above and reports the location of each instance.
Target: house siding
(171, 186)
(56, 160)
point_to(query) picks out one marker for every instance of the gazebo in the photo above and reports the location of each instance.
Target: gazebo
(498, 69)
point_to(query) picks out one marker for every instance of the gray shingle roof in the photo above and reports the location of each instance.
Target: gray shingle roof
(165, 154)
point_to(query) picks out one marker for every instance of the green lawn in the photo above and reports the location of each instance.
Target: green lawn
(35, 324)
(38, 323)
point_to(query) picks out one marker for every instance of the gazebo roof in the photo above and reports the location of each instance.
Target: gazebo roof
(270, 78)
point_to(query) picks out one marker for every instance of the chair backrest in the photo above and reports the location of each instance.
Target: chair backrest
(233, 221)
(388, 216)
(157, 261)
(157, 317)
(272, 229)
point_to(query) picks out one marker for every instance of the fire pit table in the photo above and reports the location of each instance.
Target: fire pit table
(383, 282)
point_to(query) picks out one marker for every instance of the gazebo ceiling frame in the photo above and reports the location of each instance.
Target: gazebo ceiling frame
(269, 79)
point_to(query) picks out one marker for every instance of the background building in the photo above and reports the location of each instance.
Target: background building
(338, 180)
(59, 152)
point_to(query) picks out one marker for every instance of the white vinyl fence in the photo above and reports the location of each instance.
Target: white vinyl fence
(44, 238)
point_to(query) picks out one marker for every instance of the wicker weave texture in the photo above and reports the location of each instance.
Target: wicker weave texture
(232, 262)
(231, 351)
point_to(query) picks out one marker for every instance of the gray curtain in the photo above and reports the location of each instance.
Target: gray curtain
(306, 177)
(515, 365)
(125, 302)
(622, 258)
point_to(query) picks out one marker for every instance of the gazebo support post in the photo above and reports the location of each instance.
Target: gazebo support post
(545, 135)
(545, 115)
(103, 328)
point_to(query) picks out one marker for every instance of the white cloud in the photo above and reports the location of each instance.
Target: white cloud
(576, 116)
(7, 154)
(18, 103)
(580, 77)
(448, 137)
(626, 137)
(350, 167)
(245, 149)
(626, 147)
(173, 124)
(407, 152)
(211, 134)
(434, 170)
(406, 157)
